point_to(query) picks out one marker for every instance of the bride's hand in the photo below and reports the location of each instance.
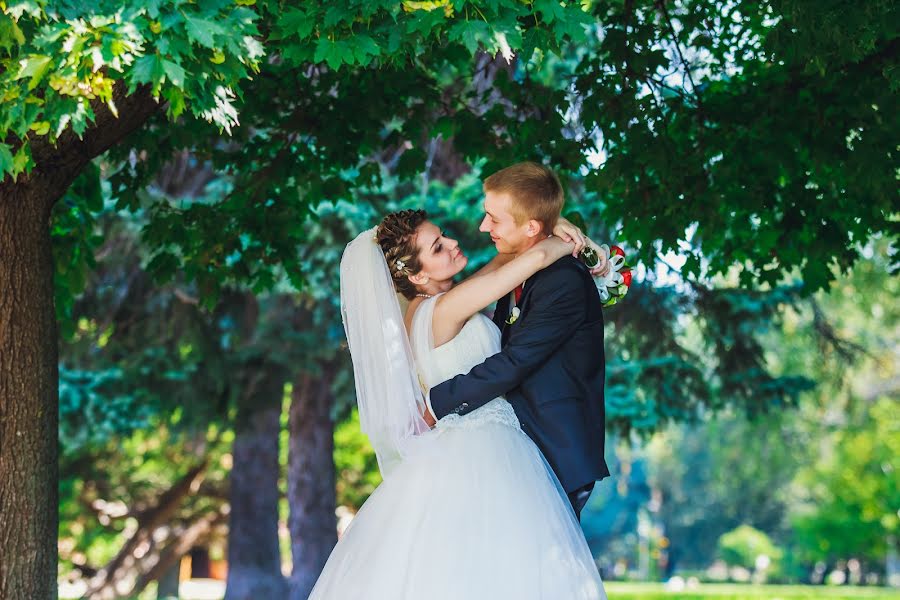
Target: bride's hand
(570, 233)
(555, 248)
(602, 267)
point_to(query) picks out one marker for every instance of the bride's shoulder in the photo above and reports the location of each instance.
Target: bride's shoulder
(412, 309)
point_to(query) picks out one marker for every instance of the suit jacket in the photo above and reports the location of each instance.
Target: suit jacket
(551, 370)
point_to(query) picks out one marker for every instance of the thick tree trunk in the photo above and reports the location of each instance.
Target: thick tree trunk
(311, 491)
(28, 399)
(28, 347)
(254, 559)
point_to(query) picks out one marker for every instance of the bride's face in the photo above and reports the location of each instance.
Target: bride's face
(440, 256)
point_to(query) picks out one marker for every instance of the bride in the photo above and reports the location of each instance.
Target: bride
(470, 509)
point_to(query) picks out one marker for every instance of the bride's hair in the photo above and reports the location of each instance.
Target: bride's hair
(397, 237)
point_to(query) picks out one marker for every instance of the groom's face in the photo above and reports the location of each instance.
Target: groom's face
(508, 236)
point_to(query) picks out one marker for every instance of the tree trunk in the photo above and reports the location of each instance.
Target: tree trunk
(29, 388)
(254, 559)
(168, 583)
(311, 491)
(28, 399)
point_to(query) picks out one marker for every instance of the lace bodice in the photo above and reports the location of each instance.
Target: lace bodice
(477, 340)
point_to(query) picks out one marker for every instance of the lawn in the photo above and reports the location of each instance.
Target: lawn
(710, 591)
(206, 589)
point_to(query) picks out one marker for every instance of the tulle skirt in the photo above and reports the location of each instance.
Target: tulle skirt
(478, 516)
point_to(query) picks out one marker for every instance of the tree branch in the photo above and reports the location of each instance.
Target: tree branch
(57, 165)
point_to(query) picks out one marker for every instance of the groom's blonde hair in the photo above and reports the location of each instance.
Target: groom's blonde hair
(535, 190)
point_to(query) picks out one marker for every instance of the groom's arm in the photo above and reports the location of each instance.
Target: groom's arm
(555, 312)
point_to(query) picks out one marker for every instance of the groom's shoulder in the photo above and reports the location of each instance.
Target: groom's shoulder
(566, 269)
(568, 264)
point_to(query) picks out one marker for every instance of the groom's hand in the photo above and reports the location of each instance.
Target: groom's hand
(429, 418)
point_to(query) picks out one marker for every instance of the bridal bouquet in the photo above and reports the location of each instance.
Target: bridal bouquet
(614, 285)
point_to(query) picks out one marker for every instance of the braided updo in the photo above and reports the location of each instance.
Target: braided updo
(397, 237)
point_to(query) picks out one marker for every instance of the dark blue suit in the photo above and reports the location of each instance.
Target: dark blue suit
(551, 370)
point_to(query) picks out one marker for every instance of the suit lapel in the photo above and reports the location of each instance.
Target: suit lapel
(501, 312)
(504, 306)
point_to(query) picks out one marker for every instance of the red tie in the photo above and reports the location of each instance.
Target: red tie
(518, 291)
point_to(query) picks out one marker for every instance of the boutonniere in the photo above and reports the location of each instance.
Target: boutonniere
(513, 316)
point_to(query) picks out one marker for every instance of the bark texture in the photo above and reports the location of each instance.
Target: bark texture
(29, 395)
(311, 483)
(254, 557)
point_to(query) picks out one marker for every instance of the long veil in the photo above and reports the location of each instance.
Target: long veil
(387, 385)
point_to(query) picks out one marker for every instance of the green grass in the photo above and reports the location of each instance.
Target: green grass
(715, 591)
(656, 591)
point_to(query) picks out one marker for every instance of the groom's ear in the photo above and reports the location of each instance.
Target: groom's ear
(533, 227)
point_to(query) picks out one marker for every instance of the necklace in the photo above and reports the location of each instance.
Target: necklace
(424, 296)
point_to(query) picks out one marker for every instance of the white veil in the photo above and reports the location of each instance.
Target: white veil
(387, 385)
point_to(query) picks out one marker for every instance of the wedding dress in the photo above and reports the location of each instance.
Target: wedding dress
(471, 512)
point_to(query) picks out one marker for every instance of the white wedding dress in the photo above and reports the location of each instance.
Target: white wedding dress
(477, 514)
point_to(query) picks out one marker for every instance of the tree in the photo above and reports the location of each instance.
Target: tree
(816, 478)
(851, 491)
(743, 547)
(342, 86)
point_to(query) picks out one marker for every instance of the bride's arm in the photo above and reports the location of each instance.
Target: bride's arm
(563, 229)
(495, 263)
(454, 308)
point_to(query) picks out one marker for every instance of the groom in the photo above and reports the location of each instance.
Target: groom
(551, 368)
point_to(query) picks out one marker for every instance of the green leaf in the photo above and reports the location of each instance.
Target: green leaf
(395, 38)
(333, 53)
(152, 7)
(296, 22)
(30, 7)
(35, 66)
(10, 34)
(533, 39)
(424, 22)
(174, 72)
(83, 115)
(470, 33)
(572, 23)
(202, 31)
(335, 14)
(147, 69)
(22, 161)
(550, 10)
(175, 97)
(364, 48)
(6, 159)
